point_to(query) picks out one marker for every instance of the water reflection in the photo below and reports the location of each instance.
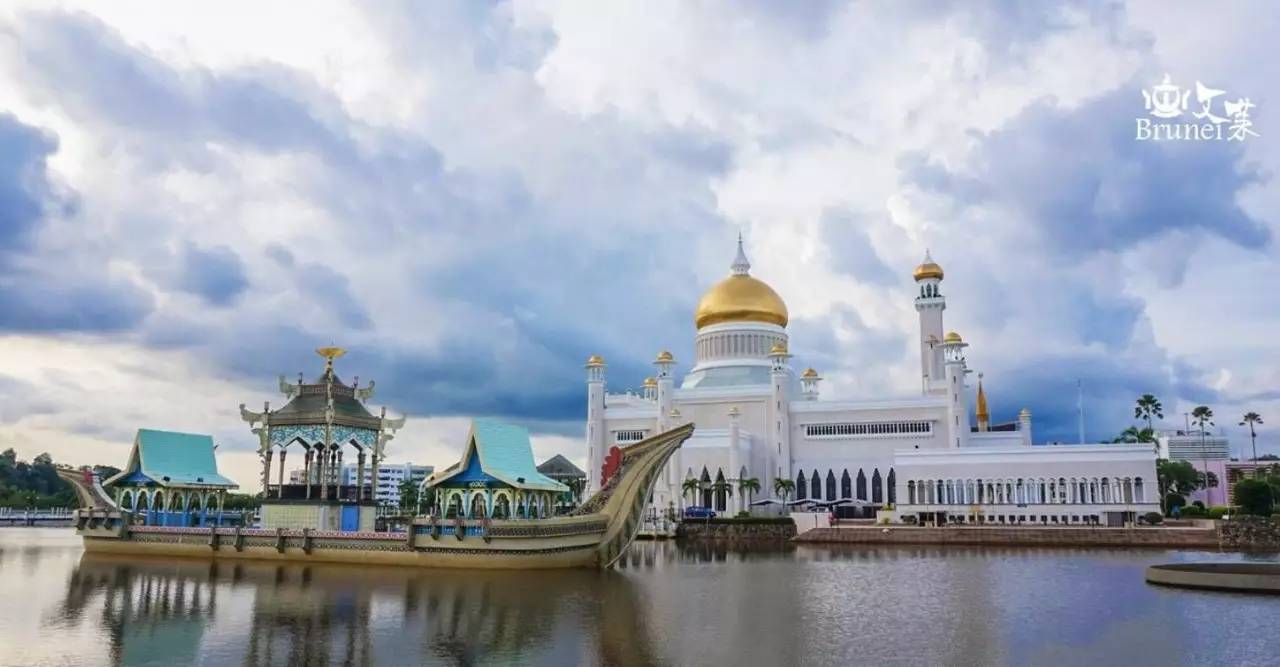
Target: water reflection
(158, 611)
(706, 604)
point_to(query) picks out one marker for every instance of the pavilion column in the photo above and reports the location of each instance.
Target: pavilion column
(266, 473)
(306, 471)
(280, 479)
(374, 476)
(323, 477)
(360, 475)
(338, 470)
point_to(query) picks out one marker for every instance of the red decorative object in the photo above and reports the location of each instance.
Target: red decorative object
(611, 464)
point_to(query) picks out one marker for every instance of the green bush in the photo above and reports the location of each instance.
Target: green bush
(1218, 511)
(1253, 496)
(1154, 518)
(1193, 512)
(748, 519)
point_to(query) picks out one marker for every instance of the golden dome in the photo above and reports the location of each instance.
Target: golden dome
(595, 360)
(927, 269)
(952, 337)
(664, 356)
(650, 382)
(778, 348)
(809, 373)
(740, 298)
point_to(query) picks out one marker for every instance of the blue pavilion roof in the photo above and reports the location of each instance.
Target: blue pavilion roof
(169, 458)
(503, 452)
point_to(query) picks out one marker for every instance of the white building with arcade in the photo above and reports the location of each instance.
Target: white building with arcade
(929, 456)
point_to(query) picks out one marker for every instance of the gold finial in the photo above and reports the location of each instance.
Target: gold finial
(982, 414)
(778, 348)
(664, 357)
(330, 353)
(952, 337)
(809, 373)
(650, 382)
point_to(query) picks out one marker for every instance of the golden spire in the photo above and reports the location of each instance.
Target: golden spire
(984, 417)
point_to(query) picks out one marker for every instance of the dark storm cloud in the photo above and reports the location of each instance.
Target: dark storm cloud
(215, 274)
(1081, 181)
(538, 282)
(24, 186)
(845, 237)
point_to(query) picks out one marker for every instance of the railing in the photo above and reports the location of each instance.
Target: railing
(345, 493)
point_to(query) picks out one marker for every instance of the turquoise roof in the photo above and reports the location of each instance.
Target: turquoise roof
(174, 459)
(504, 453)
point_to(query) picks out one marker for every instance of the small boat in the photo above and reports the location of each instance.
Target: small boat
(594, 535)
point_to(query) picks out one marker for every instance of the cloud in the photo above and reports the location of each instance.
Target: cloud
(473, 199)
(216, 275)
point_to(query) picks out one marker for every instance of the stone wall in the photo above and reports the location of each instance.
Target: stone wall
(1251, 533)
(737, 531)
(1185, 538)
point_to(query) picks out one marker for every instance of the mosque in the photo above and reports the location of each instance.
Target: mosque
(933, 457)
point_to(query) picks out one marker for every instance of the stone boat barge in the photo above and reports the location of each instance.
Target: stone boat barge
(594, 536)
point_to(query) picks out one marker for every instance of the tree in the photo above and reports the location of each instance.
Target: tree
(1146, 408)
(1202, 416)
(749, 487)
(691, 487)
(1254, 496)
(1252, 418)
(1135, 434)
(408, 495)
(784, 488)
(1178, 478)
(722, 486)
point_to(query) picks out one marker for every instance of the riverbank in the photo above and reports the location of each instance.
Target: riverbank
(1177, 538)
(753, 529)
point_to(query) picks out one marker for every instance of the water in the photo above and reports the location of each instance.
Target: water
(666, 605)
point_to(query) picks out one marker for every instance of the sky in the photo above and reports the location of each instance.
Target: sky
(472, 198)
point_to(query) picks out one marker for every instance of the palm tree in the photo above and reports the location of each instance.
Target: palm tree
(1252, 418)
(1135, 434)
(691, 487)
(1147, 407)
(784, 487)
(749, 487)
(722, 486)
(1202, 416)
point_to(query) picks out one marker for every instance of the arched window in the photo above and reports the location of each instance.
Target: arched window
(1138, 495)
(802, 491)
(911, 492)
(720, 492)
(816, 486)
(877, 491)
(893, 487)
(706, 487)
(862, 485)
(502, 507)
(846, 485)
(831, 485)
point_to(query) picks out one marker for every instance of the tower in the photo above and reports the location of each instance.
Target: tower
(983, 417)
(1024, 426)
(957, 395)
(809, 380)
(780, 410)
(930, 304)
(663, 389)
(595, 419)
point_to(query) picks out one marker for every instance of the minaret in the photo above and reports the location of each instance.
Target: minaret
(780, 410)
(735, 443)
(930, 304)
(664, 363)
(809, 380)
(1024, 426)
(983, 417)
(595, 420)
(957, 395)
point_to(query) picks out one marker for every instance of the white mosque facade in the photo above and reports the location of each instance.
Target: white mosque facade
(926, 456)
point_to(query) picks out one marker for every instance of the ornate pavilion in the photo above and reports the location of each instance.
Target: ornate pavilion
(171, 479)
(322, 421)
(495, 478)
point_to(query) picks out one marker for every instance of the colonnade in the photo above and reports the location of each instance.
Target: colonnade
(172, 507)
(481, 503)
(1027, 491)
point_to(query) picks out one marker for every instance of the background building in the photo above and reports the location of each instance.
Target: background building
(390, 476)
